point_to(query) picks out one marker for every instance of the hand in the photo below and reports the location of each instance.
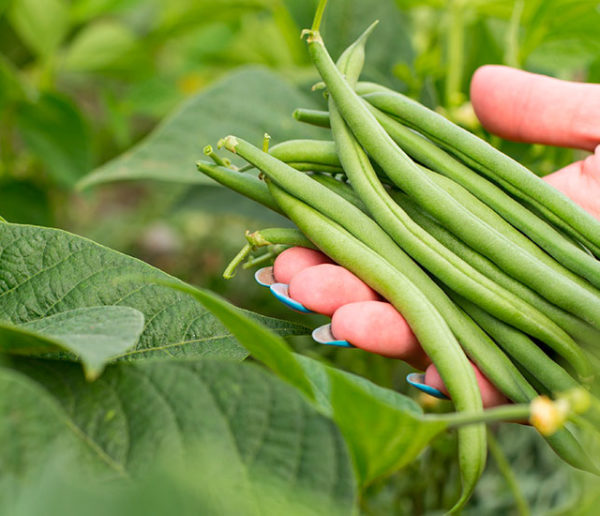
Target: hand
(533, 108)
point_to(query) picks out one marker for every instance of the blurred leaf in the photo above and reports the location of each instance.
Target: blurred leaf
(55, 132)
(385, 430)
(94, 334)
(389, 44)
(46, 271)
(210, 417)
(247, 103)
(24, 202)
(10, 84)
(82, 10)
(42, 24)
(98, 45)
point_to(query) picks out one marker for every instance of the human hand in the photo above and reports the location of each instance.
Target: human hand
(535, 109)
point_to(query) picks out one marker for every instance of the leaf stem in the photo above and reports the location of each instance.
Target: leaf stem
(514, 412)
(509, 476)
(319, 16)
(239, 258)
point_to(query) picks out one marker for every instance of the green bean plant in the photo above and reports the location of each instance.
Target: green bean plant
(127, 390)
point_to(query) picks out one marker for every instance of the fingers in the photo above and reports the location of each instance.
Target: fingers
(527, 107)
(293, 260)
(377, 327)
(580, 181)
(359, 315)
(490, 395)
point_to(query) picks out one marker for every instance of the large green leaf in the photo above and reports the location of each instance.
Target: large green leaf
(95, 335)
(215, 418)
(384, 429)
(249, 102)
(47, 271)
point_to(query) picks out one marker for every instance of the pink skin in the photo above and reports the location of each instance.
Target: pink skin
(516, 105)
(490, 396)
(324, 288)
(291, 261)
(376, 326)
(528, 107)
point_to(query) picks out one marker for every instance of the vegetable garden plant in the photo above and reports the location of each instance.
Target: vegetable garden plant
(129, 391)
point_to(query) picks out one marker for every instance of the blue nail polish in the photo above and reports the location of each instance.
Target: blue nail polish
(280, 291)
(418, 380)
(264, 276)
(323, 335)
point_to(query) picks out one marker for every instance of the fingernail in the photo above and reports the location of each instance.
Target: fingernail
(280, 291)
(418, 380)
(323, 335)
(264, 276)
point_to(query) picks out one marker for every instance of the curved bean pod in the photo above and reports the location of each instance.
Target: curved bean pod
(486, 158)
(475, 232)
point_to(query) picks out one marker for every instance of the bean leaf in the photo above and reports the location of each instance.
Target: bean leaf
(44, 272)
(266, 449)
(249, 102)
(95, 335)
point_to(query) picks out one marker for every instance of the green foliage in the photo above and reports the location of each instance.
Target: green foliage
(46, 271)
(94, 334)
(268, 449)
(253, 101)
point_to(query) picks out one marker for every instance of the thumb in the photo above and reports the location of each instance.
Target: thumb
(528, 107)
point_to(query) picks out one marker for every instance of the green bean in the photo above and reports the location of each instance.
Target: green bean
(278, 236)
(429, 327)
(551, 375)
(486, 158)
(574, 326)
(537, 229)
(451, 269)
(312, 116)
(245, 184)
(472, 230)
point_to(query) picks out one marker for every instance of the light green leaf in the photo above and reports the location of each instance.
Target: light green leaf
(267, 449)
(384, 430)
(249, 102)
(47, 271)
(95, 335)
(41, 24)
(55, 132)
(98, 45)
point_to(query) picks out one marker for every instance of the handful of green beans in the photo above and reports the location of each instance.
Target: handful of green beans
(483, 259)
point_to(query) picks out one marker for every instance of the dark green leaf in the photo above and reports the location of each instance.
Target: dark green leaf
(46, 271)
(267, 449)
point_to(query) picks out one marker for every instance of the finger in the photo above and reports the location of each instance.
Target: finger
(580, 181)
(490, 395)
(377, 327)
(527, 107)
(295, 259)
(326, 287)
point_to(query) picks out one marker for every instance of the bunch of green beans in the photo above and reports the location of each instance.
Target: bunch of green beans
(466, 243)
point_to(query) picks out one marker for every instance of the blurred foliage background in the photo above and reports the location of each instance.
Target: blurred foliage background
(82, 81)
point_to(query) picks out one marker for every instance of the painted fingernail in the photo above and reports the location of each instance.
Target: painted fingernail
(280, 291)
(417, 380)
(264, 276)
(323, 335)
